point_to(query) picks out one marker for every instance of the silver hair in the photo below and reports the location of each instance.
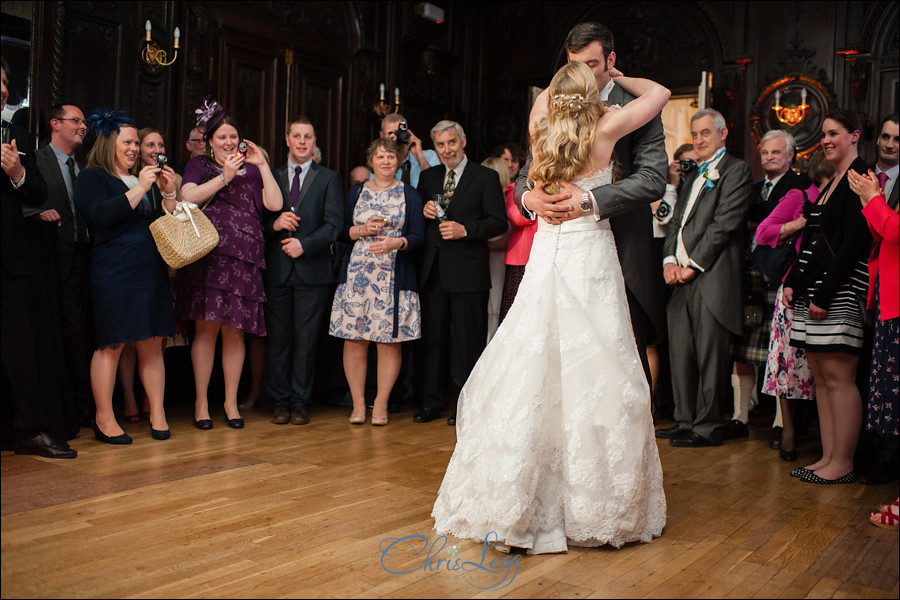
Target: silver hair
(780, 133)
(444, 126)
(392, 118)
(718, 119)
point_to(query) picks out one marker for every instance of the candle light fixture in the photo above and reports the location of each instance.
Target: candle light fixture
(155, 57)
(793, 114)
(382, 108)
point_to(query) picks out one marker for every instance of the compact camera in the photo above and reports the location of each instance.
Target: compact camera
(242, 148)
(402, 133)
(161, 161)
(687, 165)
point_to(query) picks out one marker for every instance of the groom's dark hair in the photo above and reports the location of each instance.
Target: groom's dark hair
(586, 33)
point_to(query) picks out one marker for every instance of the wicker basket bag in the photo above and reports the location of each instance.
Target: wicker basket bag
(184, 236)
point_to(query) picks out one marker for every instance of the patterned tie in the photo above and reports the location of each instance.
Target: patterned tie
(882, 180)
(80, 231)
(450, 186)
(765, 191)
(295, 188)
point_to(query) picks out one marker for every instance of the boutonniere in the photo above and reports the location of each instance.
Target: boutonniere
(712, 177)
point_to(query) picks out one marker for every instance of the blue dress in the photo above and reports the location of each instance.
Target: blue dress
(129, 280)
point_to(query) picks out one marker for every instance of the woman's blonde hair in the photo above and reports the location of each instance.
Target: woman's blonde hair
(103, 154)
(498, 164)
(561, 143)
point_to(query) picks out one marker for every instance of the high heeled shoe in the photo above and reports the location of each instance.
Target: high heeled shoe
(234, 423)
(160, 434)
(203, 424)
(118, 440)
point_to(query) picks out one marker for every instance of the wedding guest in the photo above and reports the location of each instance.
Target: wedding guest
(521, 236)
(787, 375)
(377, 297)
(827, 322)
(884, 267)
(223, 291)
(129, 280)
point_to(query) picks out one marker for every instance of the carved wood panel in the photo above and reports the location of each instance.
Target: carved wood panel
(317, 93)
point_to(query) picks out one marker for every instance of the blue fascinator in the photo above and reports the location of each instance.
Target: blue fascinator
(105, 120)
(209, 116)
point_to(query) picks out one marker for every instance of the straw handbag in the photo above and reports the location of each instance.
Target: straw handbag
(184, 236)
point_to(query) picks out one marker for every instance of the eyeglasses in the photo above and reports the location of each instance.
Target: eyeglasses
(195, 139)
(76, 120)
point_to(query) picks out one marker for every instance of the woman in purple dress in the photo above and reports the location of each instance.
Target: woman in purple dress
(223, 291)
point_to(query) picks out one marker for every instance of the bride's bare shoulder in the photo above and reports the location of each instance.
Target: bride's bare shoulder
(540, 110)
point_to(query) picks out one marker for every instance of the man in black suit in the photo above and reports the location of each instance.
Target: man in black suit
(56, 164)
(37, 422)
(298, 274)
(454, 279)
(704, 253)
(642, 159)
(886, 167)
(776, 152)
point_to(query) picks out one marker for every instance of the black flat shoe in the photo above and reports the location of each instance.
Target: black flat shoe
(425, 415)
(733, 430)
(775, 438)
(787, 455)
(160, 434)
(800, 472)
(234, 423)
(118, 440)
(203, 424)
(811, 477)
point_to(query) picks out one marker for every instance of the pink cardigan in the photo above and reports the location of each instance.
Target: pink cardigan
(788, 209)
(522, 233)
(884, 263)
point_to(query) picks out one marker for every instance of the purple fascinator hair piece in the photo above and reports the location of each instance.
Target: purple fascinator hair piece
(209, 116)
(105, 120)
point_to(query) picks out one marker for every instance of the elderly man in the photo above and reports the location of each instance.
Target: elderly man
(454, 278)
(704, 252)
(776, 152)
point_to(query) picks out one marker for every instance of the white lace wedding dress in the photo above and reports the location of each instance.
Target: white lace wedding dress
(555, 442)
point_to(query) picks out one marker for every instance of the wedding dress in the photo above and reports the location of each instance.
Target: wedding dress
(555, 442)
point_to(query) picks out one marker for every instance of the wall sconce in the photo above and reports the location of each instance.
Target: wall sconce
(382, 108)
(791, 115)
(153, 56)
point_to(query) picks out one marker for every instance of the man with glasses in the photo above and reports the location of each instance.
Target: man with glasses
(195, 146)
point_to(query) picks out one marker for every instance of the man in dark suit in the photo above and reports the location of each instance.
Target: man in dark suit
(298, 274)
(776, 152)
(56, 163)
(641, 157)
(704, 253)
(454, 279)
(886, 167)
(37, 423)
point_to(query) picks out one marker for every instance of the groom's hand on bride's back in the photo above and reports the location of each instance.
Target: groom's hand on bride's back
(554, 208)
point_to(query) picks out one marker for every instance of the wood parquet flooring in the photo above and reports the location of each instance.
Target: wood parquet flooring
(285, 511)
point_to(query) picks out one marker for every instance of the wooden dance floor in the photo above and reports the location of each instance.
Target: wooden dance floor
(331, 510)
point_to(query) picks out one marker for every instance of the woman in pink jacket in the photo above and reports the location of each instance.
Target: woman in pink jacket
(520, 238)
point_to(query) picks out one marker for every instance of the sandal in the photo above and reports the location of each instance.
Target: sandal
(358, 420)
(887, 519)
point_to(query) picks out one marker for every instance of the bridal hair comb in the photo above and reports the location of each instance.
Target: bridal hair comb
(209, 115)
(105, 120)
(568, 103)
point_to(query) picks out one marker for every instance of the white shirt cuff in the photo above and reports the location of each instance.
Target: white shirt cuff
(527, 212)
(17, 184)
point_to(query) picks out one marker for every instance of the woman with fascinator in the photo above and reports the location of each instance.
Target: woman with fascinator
(130, 292)
(223, 291)
(555, 442)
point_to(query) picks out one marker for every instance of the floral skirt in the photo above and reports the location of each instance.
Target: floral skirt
(884, 383)
(787, 372)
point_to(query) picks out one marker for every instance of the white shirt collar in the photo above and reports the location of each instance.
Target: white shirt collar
(293, 167)
(458, 169)
(776, 180)
(604, 93)
(891, 173)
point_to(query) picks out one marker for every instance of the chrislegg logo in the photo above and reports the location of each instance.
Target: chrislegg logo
(416, 553)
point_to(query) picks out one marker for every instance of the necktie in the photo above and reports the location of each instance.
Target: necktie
(80, 232)
(882, 179)
(405, 178)
(765, 191)
(450, 186)
(295, 188)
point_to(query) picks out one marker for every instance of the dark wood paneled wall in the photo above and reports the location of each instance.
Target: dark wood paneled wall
(266, 61)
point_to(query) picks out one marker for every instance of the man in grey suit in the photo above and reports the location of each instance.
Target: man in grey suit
(56, 164)
(298, 274)
(704, 252)
(642, 159)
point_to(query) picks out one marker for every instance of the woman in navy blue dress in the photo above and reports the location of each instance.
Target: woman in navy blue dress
(129, 281)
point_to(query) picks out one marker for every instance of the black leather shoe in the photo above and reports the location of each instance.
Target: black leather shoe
(300, 415)
(733, 429)
(44, 445)
(787, 455)
(671, 432)
(452, 420)
(690, 440)
(204, 424)
(234, 423)
(424, 415)
(775, 438)
(281, 415)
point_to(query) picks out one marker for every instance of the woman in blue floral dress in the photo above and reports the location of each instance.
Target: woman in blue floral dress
(377, 297)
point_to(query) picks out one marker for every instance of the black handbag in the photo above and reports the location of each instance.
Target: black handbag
(773, 263)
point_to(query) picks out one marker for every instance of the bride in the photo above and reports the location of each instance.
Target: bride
(555, 441)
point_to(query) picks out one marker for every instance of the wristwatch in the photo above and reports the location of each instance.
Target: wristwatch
(586, 206)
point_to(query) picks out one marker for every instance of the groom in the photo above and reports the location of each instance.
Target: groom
(642, 160)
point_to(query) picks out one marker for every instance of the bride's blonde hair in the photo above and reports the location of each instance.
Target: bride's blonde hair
(561, 142)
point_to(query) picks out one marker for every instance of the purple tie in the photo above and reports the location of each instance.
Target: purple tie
(882, 179)
(295, 188)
